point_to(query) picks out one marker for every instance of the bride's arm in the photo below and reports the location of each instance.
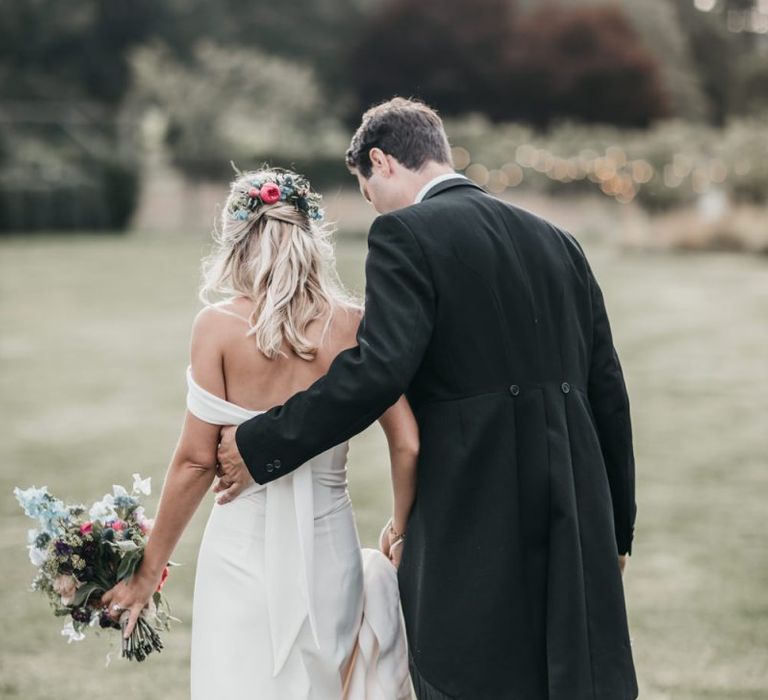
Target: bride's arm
(189, 475)
(193, 466)
(402, 433)
(401, 430)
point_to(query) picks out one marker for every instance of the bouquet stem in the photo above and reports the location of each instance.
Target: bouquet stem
(142, 641)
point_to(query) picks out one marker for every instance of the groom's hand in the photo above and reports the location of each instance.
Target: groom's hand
(234, 475)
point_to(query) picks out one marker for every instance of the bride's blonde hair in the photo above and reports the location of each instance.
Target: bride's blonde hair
(278, 255)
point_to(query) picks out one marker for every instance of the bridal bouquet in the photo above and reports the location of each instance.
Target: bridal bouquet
(82, 552)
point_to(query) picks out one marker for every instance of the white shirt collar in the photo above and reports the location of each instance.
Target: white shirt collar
(434, 181)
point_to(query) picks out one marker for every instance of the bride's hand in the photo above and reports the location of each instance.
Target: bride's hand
(384, 539)
(390, 544)
(396, 552)
(133, 594)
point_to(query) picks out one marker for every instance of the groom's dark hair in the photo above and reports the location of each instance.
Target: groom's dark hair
(408, 130)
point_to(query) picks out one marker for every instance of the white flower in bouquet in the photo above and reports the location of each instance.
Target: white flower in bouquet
(104, 509)
(142, 485)
(73, 634)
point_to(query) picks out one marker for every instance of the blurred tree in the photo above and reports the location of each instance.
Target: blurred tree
(705, 51)
(664, 32)
(751, 93)
(75, 50)
(585, 63)
(553, 62)
(237, 104)
(730, 47)
(448, 52)
(714, 52)
(67, 161)
(303, 31)
(661, 31)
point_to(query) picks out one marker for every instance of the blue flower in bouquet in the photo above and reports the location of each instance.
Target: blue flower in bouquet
(125, 501)
(34, 501)
(38, 504)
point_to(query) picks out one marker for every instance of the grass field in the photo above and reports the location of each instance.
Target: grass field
(93, 345)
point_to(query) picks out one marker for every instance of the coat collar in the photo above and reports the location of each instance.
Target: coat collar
(450, 184)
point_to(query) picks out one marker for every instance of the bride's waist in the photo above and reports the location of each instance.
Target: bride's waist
(329, 492)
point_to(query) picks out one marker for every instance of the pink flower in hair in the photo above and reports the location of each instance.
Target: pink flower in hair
(270, 193)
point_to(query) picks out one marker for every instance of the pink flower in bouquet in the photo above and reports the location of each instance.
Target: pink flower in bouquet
(85, 528)
(144, 523)
(163, 576)
(66, 586)
(117, 525)
(270, 193)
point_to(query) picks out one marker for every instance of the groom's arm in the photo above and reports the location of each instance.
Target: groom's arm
(610, 406)
(363, 381)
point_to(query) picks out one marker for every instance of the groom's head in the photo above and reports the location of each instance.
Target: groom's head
(399, 146)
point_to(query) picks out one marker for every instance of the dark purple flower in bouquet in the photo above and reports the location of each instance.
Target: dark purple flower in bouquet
(62, 548)
(106, 621)
(82, 614)
(89, 550)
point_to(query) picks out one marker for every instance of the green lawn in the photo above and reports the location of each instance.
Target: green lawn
(93, 346)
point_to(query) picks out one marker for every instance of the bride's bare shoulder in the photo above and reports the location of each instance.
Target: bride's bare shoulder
(216, 324)
(225, 313)
(345, 322)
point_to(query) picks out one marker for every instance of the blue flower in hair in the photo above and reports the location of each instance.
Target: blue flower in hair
(272, 185)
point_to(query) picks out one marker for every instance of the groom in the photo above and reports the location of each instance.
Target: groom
(491, 322)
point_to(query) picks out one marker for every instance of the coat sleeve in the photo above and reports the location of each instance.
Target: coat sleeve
(610, 406)
(362, 381)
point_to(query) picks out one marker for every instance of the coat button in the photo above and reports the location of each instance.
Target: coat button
(566, 387)
(270, 467)
(278, 464)
(514, 390)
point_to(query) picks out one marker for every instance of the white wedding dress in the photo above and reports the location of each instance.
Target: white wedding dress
(284, 593)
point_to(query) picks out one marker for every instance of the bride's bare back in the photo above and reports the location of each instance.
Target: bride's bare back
(256, 382)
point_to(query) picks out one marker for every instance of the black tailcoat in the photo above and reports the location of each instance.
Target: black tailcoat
(491, 322)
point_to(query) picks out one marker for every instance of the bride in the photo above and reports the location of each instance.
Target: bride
(286, 603)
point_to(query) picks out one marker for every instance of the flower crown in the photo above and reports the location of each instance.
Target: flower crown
(273, 185)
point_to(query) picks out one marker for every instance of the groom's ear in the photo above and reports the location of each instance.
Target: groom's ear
(380, 161)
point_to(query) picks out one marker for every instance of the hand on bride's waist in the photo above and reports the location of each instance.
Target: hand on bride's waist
(234, 475)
